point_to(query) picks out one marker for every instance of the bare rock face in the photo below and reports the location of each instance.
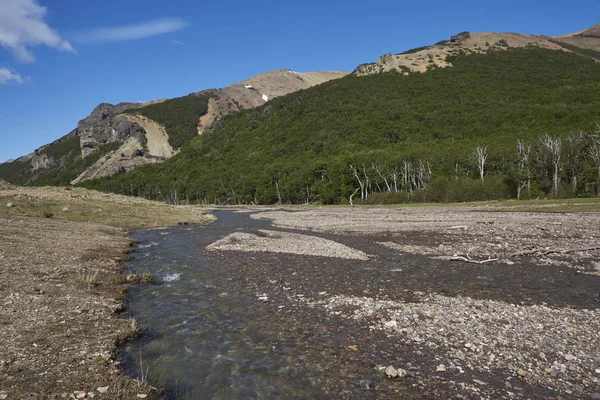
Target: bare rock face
(258, 90)
(100, 127)
(145, 141)
(460, 37)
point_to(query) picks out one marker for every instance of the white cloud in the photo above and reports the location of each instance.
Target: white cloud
(7, 76)
(133, 32)
(22, 26)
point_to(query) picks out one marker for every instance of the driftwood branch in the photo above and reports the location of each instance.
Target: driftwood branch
(532, 252)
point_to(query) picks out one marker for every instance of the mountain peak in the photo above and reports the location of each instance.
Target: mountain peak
(593, 32)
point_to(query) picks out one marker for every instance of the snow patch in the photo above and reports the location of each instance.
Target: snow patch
(248, 86)
(265, 97)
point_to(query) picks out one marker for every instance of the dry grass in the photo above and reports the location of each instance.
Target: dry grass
(45, 262)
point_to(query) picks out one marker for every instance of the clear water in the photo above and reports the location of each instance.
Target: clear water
(201, 341)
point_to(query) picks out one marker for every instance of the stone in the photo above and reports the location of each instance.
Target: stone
(9, 205)
(102, 389)
(142, 396)
(570, 357)
(522, 373)
(391, 372)
(3, 396)
(440, 368)
(402, 373)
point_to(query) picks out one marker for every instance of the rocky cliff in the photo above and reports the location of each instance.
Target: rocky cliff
(114, 139)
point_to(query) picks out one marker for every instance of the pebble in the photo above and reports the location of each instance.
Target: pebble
(522, 372)
(440, 368)
(3, 396)
(570, 357)
(102, 389)
(142, 396)
(9, 205)
(391, 372)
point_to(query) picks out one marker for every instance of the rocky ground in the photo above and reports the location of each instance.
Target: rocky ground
(443, 307)
(61, 288)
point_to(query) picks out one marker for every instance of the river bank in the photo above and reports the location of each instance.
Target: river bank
(61, 290)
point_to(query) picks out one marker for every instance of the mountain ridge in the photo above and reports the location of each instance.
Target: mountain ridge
(131, 134)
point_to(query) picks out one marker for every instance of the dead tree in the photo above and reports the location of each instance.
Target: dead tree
(394, 177)
(594, 154)
(576, 142)
(361, 183)
(480, 155)
(553, 147)
(407, 176)
(422, 175)
(524, 153)
(381, 174)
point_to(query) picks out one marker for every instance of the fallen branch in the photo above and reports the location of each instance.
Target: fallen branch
(535, 252)
(543, 252)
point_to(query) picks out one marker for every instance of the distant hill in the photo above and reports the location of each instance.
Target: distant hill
(476, 116)
(398, 137)
(118, 138)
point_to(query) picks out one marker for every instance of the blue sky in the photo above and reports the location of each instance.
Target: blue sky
(60, 58)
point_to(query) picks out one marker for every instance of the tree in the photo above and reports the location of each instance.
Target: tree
(553, 146)
(480, 155)
(524, 179)
(594, 154)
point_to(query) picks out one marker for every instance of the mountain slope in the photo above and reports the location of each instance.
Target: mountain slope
(435, 56)
(118, 138)
(417, 131)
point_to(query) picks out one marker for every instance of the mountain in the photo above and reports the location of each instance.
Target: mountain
(118, 138)
(588, 39)
(428, 57)
(477, 116)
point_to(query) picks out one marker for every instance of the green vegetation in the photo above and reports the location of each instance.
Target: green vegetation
(73, 167)
(579, 50)
(404, 138)
(21, 172)
(17, 172)
(179, 116)
(67, 164)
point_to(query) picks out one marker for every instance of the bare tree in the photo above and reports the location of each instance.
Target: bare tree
(553, 147)
(594, 154)
(524, 153)
(575, 148)
(480, 155)
(364, 183)
(394, 177)
(381, 174)
(422, 175)
(407, 176)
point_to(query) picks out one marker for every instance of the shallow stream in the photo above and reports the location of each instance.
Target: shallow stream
(201, 341)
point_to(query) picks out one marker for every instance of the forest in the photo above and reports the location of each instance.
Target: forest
(516, 123)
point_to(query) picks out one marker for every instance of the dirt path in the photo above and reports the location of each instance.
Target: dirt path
(61, 290)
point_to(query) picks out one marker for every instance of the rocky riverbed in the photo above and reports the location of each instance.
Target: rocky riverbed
(427, 304)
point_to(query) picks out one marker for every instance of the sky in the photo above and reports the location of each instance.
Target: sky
(61, 58)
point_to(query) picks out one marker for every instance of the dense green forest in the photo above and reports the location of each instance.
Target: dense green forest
(179, 116)
(390, 137)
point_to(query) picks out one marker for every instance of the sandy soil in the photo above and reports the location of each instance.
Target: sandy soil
(61, 290)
